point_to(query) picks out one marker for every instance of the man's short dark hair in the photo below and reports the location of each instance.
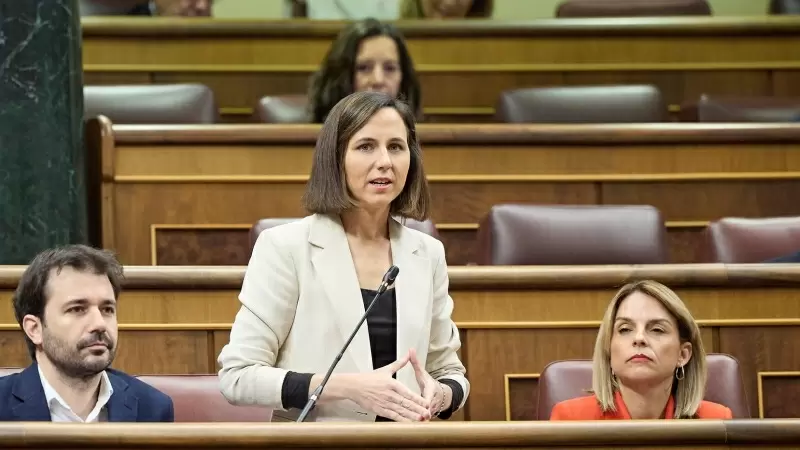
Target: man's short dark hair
(30, 296)
(327, 191)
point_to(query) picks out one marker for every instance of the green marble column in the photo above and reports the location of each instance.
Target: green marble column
(42, 156)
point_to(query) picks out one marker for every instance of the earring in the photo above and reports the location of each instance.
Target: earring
(680, 373)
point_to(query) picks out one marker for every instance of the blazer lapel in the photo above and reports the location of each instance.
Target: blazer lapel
(334, 268)
(122, 405)
(414, 294)
(29, 403)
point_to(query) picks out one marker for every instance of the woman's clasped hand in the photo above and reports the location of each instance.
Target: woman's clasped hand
(378, 392)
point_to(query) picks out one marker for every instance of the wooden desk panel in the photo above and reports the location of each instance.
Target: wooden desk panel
(513, 321)
(628, 434)
(245, 60)
(187, 195)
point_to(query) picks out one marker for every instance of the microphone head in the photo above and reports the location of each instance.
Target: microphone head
(391, 274)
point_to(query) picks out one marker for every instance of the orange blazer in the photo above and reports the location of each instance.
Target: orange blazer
(587, 408)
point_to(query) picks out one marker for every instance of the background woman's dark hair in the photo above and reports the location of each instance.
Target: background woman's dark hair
(327, 191)
(334, 79)
(481, 8)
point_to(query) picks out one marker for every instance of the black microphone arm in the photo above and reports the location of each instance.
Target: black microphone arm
(388, 280)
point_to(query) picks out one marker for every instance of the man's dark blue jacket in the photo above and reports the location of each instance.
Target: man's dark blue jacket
(793, 258)
(22, 399)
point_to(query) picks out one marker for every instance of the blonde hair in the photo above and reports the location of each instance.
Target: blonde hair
(689, 391)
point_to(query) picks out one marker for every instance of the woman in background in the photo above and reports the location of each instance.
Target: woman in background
(649, 362)
(446, 9)
(368, 55)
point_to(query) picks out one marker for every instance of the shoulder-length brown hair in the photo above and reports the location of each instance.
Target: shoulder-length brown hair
(335, 78)
(327, 191)
(688, 391)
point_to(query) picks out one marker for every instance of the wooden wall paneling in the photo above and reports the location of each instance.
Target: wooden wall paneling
(211, 160)
(229, 244)
(139, 206)
(138, 352)
(469, 202)
(778, 394)
(786, 83)
(446, 89)
(687, 242)
(495, 353)
(178, 352)
(706, 200)
(669, 82)
(241, 89)
(15, 352)
(113, 78)
(755, 82)
(765, 349)
(521, 396)
(459, 244)
(7, 311)
(459, 115)
(200, 245)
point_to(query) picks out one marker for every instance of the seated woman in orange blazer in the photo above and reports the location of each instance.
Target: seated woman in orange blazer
(648, 363)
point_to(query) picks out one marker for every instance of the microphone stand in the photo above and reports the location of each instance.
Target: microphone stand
(388, 279)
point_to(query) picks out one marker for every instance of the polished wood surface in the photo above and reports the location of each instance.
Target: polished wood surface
(627, 434)
(245, 60)
(187, 195)
(488, 278)
(513, 322)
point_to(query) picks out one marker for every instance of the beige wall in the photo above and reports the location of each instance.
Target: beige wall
(249, 9)
(540, 9)
(504, 9)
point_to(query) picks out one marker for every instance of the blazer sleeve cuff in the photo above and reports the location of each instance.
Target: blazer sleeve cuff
(254, 385)
(462, 381)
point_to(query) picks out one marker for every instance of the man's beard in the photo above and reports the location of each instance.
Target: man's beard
(68, 359)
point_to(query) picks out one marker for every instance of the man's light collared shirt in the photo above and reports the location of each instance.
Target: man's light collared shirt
(61, 412)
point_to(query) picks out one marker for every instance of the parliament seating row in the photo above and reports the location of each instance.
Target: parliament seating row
(195, 103)
(565, 9)
(633, 8)
(650, 8)
(564, 380)
(243, 61)
(585, 235)
(197, 398)
(670, 434)
(153, 208)
(513, 322)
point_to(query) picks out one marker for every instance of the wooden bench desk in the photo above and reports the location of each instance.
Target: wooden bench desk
(245, 60)
(684, 434)
(513, 321)
(188, 195)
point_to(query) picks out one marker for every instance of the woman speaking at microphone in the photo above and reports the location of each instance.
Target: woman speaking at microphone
(309, 282)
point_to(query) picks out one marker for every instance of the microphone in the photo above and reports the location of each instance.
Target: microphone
(388, 280)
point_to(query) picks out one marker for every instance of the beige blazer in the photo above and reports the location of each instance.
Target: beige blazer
(301, 299)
